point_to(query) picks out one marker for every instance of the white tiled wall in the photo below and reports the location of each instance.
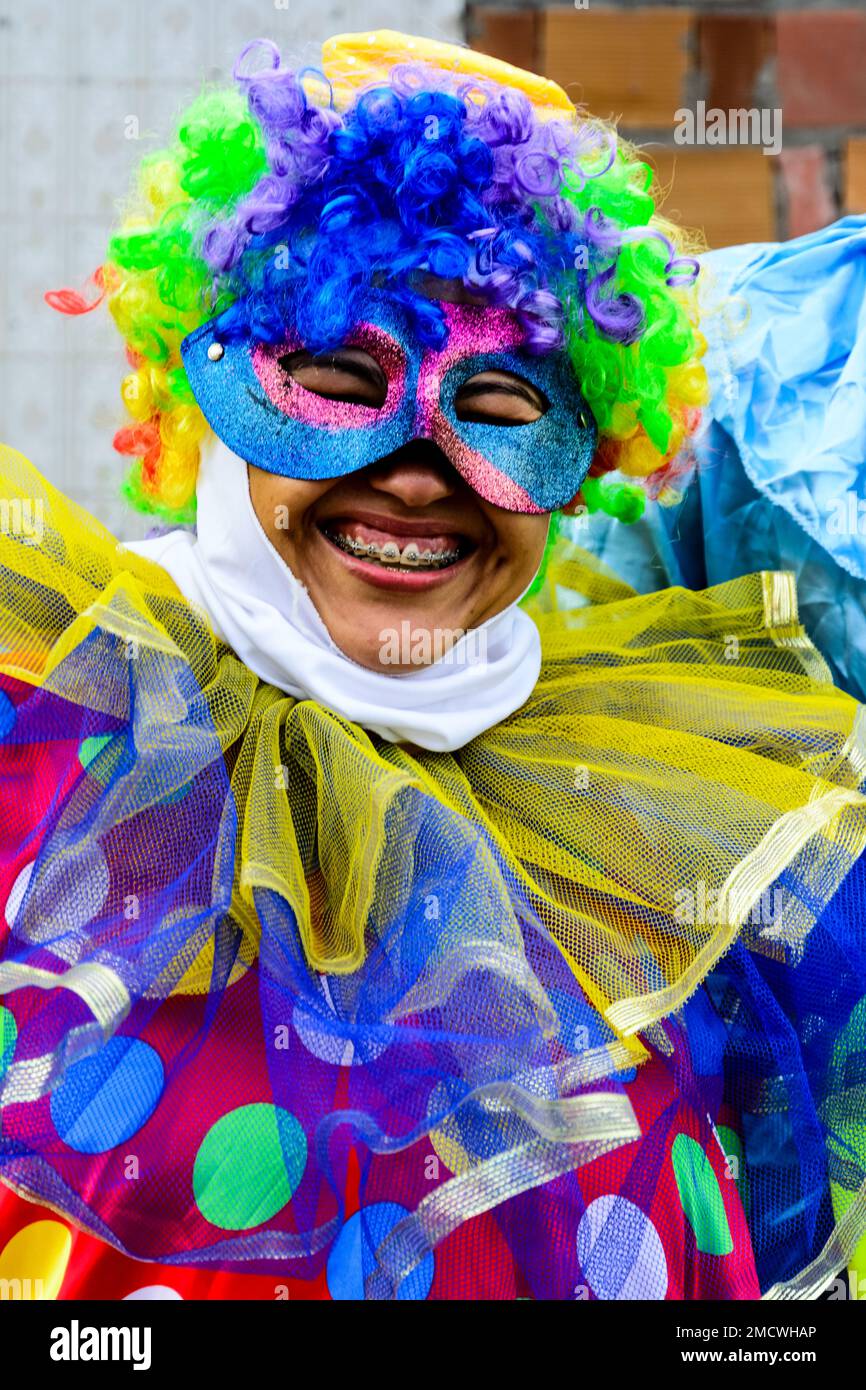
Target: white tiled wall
(71, 73)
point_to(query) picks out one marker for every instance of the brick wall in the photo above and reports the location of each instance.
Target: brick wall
(642, 63)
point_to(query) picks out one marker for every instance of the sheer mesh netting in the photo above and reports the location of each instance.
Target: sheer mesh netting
(574, 1012)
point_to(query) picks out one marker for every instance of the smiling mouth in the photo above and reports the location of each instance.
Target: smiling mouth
(386, 552)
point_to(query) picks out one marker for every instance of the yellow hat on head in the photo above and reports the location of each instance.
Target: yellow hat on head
(353, 61)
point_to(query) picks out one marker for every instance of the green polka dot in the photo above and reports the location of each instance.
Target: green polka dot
(248, 1165)
(733, 1147)
(104, 769)
(8, 1039)
(701, 1197)
(89, 750)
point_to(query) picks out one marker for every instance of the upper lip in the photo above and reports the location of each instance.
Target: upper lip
(396, 526)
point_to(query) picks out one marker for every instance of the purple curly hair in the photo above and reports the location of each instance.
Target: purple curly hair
(275, 208)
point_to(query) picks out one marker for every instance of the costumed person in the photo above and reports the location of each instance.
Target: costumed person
(397, 904)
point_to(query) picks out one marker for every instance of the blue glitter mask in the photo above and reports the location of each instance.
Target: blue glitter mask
(264, 415)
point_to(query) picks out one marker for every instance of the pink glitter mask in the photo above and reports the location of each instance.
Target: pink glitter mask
(263, 414)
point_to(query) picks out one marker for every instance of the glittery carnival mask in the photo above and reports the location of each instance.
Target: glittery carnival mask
(252, 401)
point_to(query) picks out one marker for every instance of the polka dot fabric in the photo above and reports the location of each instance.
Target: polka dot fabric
(661, 1217)
(288, 1011)
(610, 1246)
(231, 1161)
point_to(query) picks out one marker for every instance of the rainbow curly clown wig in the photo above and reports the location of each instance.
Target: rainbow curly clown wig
(401, 159)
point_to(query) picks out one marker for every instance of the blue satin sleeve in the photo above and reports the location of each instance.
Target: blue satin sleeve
(781, 482)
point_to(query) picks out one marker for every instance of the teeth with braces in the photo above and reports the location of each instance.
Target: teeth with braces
(390, 553)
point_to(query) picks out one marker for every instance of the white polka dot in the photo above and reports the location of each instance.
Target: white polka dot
(72, 890)
(336, 1051)
(620, 1252)
(151, 1293)
(16, 896)
(330, 1047)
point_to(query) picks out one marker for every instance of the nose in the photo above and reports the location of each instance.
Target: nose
(416, 475)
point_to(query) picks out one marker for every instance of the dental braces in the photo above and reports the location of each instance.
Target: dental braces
(391, 554)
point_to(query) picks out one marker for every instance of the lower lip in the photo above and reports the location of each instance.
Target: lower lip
(400, 581)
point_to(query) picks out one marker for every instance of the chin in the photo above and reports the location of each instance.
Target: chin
(396, 637)
(395, 620)
(395, 642)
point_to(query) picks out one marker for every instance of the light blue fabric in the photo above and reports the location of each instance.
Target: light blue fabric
(781, 482)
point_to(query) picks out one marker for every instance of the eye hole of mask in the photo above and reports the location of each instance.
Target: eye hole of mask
(350, 375)
(500, 398)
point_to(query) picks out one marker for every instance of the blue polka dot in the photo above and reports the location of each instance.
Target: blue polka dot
(8, 715)
(104, 1099)
(352, 1258)
(579, 1027)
